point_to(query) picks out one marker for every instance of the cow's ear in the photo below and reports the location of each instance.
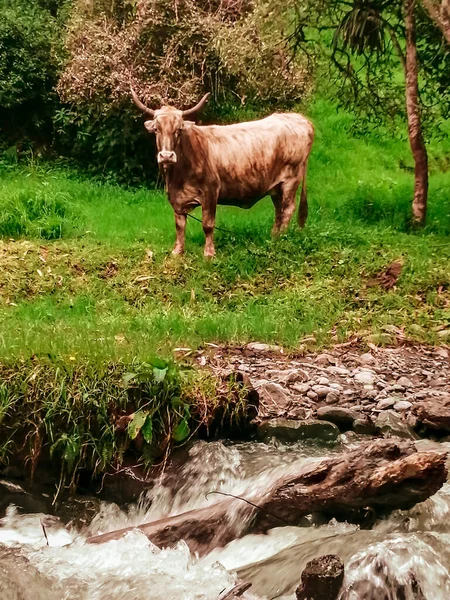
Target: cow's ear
(187, 125)
(150, 126)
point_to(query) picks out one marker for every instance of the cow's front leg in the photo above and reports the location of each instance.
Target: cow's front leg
(180, 225)
(208, 222)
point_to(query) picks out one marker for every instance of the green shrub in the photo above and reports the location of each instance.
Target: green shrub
(34, 212)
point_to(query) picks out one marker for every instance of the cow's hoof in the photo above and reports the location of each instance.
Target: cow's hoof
(209, 255)
(176, 252)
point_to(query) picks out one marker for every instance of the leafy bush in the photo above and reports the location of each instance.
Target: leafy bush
(172, 52)
(30, 46)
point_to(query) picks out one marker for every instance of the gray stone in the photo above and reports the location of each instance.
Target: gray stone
(273, 397)
(386, 403)
(336, 386)
(405, 382)
(338, 371)
(257, 347)
(301, 388)
(390, 424)
(365, 377)
(332, 398)
(402, 406)
(322, 390)
(342, 417)
(287, 430)
(323, 360)
(367, 359)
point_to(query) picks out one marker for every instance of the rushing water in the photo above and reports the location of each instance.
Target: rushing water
(405, 557)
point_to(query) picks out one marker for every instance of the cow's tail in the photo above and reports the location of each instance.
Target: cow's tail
(303, 206)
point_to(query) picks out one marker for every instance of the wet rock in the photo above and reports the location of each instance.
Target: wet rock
(402, 406)
(364, 426)
(287, 430)
(365, 377)
(332, 398)
(342, 417)
(405, 382)
(322, 579)
(386, 403)
(391, 424)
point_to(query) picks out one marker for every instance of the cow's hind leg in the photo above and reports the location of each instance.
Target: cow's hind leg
(180, 225)
(276, 196)
(288, 193)
(208, 222)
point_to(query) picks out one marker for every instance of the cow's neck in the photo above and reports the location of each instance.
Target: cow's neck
(189, 159)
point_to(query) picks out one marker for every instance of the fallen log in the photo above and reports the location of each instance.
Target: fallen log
(321, 579)
(376, 479)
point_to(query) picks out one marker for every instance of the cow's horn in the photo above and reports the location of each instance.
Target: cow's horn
(140, 105)
(197, 108)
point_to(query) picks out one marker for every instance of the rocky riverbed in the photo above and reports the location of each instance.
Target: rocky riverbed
(402, 391)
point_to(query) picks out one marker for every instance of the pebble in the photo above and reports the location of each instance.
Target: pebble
(312, 395)
(365, 377)
(323, 381)
(322, 390)
(402, 405)
(332, 398)
(338, 371)
(336, 386)
(301, 388)
(367, 359)
(386, 403)
(405, 382)
(323, 360)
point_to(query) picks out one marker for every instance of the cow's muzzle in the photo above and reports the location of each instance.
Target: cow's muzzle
(167, 157)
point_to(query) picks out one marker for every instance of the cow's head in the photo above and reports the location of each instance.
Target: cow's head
(168, 124)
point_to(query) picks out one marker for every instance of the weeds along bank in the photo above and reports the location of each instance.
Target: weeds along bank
(85, 419)
(89, 293)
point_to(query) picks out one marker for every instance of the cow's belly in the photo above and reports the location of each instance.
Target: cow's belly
(241, 202)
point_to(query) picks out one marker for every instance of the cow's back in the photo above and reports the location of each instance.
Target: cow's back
(249, 159)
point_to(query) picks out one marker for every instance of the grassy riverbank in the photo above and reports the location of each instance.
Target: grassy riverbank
(89, 291)
(108, 287)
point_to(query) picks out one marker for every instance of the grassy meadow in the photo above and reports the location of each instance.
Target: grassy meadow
(86, 271)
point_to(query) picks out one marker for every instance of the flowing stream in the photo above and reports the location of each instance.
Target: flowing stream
(404, 557)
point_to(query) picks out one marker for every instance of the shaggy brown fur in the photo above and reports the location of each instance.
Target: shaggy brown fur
(231, 164)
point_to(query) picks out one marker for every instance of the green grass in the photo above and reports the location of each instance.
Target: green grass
(95, 293)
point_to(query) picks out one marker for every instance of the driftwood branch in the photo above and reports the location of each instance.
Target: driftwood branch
(370, 480)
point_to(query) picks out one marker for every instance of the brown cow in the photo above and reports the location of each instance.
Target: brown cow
(230, 164)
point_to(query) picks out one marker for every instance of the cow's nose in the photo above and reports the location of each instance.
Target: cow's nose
(167, 156)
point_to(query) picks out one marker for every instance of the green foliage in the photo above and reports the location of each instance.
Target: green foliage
(40, 211)
(30, 50)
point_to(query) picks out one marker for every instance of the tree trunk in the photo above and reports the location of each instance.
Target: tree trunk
(419, 151)
(369, 480)
(440, 13)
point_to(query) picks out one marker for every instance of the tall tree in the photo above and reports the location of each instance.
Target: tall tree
(371, 39)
